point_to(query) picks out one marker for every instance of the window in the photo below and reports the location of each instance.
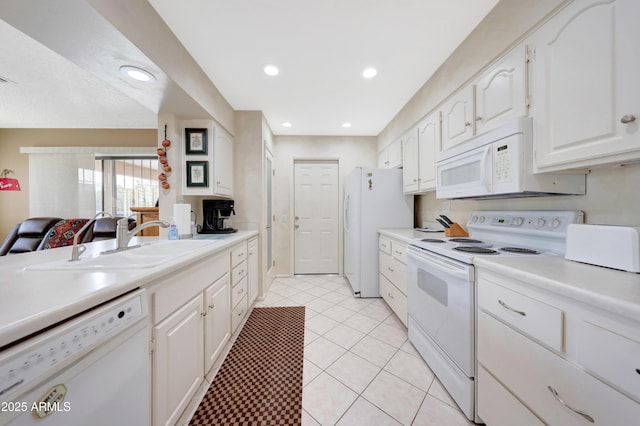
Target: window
(125, 182)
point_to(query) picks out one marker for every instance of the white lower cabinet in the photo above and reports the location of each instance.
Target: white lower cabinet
(178, 361)
(253, 272)
(239, 284)
(217, 323)
(191, 316)
(393, 275)
(543, 358)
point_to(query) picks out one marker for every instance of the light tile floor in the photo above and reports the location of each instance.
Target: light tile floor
(359, 367)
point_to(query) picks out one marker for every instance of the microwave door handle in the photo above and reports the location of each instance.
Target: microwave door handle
(486, 175)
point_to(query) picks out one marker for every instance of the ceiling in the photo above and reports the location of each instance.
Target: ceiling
(320, 47)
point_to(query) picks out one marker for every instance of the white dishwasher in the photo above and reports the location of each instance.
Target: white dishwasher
(92, 369)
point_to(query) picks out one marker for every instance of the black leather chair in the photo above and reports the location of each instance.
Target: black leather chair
(27, 236)
(104, 228)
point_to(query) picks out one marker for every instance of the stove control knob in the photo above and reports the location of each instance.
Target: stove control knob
(482, 219)
(555, 223)
(517, 221)
(474, 219)
(540, 222)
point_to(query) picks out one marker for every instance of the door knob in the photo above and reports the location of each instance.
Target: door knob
(629, 118)
(297, 226)
(296, 218)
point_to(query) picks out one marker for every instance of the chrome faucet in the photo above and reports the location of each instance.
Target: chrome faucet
(78, 249)
(123, 235)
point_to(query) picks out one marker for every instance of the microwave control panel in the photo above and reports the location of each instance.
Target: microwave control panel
(502, 163)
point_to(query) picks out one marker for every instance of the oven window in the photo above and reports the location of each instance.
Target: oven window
(433, 286)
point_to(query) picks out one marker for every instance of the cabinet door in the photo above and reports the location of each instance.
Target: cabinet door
(428, 143)
(410, 161)
(383, 159)
(178, 361)
(501, 91)
(217, 324)
(586, 94)
(253, 272)
(458, 118)
(394, 152)
(223, 169)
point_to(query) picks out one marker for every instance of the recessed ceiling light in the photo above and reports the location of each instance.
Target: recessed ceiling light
(137, 74)
(271, 70)
(346, 125)
(369, 73)
(286, 124)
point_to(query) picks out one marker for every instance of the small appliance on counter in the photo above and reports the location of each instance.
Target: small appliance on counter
(612, 246)
(215, 212)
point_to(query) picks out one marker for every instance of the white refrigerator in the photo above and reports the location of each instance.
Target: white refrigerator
(373, 200)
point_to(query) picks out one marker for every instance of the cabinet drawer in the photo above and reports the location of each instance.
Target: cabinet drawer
(239, 272)
(530, 372)
(238, 254)
(384, 245)
(394, 271)
(609, 355)
(394, 298)
(238, 292)
(238, 313)
(399, 252)
(498, 407)
(533, 317)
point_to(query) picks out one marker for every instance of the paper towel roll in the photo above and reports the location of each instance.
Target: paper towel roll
(182, 218)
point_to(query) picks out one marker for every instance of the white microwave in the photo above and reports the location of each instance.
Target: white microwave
(499, 164)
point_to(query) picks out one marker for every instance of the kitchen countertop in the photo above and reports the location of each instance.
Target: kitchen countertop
(408, 234)
(607, 289)
(31, 300)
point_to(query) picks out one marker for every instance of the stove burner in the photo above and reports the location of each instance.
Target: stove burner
(465, 240)
(519, 250)
(432, 240)
(479, 250)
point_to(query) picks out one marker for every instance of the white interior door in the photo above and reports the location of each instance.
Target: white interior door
(316, 217)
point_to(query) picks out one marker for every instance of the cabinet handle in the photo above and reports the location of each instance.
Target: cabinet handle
(241, 291)
(240, 313)
(390, 295)
(203, 314)
(390, 269)
(582, 413)
(638, 370)
(504, 305)
(467, 124)
(629, 118)
(211, 306)
(478, 118)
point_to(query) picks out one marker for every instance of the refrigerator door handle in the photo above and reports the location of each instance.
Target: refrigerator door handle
(347, 200)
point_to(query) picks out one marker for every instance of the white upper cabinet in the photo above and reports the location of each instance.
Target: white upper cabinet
(501, 91)
(586, 91)
(458, 118)
(428, 144)
(391, 156)
(209, 169)
(410, 160)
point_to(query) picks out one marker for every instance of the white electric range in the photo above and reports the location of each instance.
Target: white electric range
(442, 293)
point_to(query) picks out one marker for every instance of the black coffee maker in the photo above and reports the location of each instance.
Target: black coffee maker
(215, 212)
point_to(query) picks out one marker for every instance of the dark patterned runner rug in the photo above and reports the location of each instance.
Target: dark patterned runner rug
(260, 380)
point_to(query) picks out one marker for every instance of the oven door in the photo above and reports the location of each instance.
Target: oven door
(441, 302)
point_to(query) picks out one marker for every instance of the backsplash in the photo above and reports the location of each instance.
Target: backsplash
(612, 198)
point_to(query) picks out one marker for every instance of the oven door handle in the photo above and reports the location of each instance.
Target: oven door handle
(442, 265)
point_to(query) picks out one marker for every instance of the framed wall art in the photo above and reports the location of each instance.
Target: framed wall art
(195, 141)
(197, 173)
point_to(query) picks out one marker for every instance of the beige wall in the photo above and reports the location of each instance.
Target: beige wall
(350, 153)
(14, 206)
